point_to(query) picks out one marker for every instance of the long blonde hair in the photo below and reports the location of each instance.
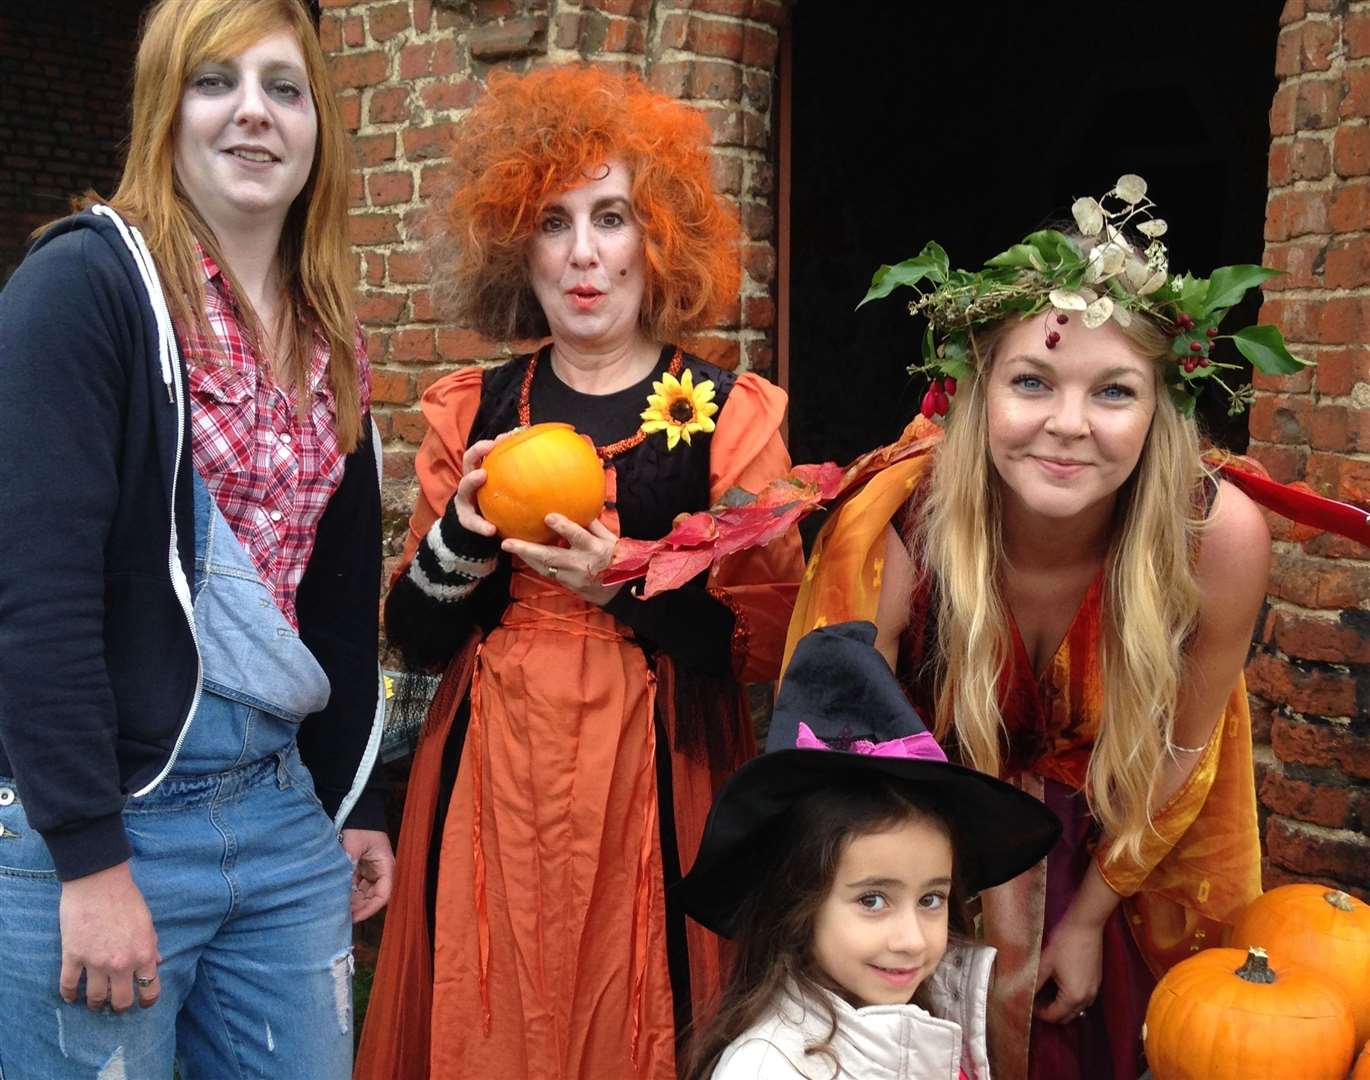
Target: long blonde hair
(315, 260)
(1150, 607)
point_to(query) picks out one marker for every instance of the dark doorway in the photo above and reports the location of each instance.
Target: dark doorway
(972, 124)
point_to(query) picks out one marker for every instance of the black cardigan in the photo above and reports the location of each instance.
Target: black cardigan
(97, 661)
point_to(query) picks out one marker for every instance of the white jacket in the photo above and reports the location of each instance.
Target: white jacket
(878, 1042)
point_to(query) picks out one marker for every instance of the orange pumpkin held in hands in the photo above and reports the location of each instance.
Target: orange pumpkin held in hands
(1225, 1013)
(543, 469)
(1318, 927)
(1362, 1071)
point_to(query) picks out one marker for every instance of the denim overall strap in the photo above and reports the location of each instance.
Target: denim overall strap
(251, 655)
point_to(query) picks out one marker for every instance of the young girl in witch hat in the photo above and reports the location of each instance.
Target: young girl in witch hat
(839, 862)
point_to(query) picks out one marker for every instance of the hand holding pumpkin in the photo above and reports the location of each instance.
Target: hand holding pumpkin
(576, 567)
(473, 476)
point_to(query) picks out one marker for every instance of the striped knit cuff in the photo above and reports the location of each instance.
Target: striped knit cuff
(452, 560)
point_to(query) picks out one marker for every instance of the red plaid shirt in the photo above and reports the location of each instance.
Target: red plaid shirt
(270, 471)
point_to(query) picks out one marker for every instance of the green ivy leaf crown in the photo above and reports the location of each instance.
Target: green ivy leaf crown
(1118, 267)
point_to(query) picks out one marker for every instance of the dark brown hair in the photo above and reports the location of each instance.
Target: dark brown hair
(774, 936)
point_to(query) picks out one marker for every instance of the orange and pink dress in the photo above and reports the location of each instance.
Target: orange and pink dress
(589, 752)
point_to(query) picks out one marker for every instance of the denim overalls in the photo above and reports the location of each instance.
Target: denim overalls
(240, 866)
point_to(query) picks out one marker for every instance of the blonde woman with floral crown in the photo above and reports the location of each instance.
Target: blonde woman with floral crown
(1068, 591)
(189, 698)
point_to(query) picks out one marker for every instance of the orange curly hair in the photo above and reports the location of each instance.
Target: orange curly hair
(533, 136)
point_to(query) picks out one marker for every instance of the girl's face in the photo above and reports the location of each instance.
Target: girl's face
(246, 133)
(586, 263)
(1066, 425)
(882, 928)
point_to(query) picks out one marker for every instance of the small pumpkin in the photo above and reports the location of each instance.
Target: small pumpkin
(1362, 1070)
(543, 469)
(1318, 927)
(1226, 1013)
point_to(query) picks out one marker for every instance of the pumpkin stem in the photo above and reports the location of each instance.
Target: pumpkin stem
(1257, 967)
(1338, 900)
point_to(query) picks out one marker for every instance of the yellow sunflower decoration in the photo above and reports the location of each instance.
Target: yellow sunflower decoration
(679, 408)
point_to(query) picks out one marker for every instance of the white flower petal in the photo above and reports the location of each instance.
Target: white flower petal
(1105, 261)
(1152, 283)
(1122, 316)
(1131, 188)
(1064, 300)
(1152, 229)
(1135, 273)
(1098, 312)
(1088, 214)
(1114, 235)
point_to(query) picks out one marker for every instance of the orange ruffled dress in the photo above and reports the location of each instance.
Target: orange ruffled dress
(1199, 867)
(550, 958)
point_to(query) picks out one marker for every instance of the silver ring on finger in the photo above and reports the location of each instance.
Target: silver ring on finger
(145, 980)
(551, 571)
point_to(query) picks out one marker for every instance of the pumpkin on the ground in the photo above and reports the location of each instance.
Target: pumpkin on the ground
(543, 469)
(1362, 1071)
(1318, 927)
(1228, 1013)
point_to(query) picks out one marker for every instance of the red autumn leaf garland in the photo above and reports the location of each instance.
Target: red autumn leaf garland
(743, 520)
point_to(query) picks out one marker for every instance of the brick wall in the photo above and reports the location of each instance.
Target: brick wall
(64, 91)
(1310, 676)
(407, 69)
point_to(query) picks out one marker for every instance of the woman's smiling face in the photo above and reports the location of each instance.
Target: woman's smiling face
(1066, 425)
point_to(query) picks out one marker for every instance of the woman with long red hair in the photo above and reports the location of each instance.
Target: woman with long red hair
(571, 753)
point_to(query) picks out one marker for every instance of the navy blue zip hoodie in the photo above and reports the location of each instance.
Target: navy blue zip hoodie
(98, 665)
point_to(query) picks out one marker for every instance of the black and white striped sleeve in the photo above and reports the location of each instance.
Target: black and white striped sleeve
(452, 560)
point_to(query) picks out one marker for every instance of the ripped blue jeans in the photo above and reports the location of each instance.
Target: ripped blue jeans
(240, 866)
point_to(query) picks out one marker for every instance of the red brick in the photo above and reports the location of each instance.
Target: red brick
(462, 344)
(1280, 419)
(1292, 13)
(1340, 477)
(1341, 639)
(1337, 428)
(391, 387)
(1332, 806)
(1356, 101)
(1351, 150)
(1308, 849)
(452, 94)
(410, 425)
(407, 267)
(1305, 689)
(416, 61)
(1339, 370)
(377, 341)
(330, 33)
(423, 15)
(727, 172)
(761, 357)
(354, 33)
(725, 126)
(1343, 320)
(623, 35)
(1282, 110)
(1348, 263)
(350, 109)
(434, 180)
(1262, 717)
(737, 9)
(1309, 159)
(759, 312)
(421, 307)
(715, 37)
(1350, 207)
(729, 317)
(389, 188)
(760, 44)
(1356, 33)
(762, 183)
(671, 77)
(1295, 213)
(1331, 546)
(510, 39)
(375, 150)
(415, 346)
(389, 106)
(373, 228)
(387, 20)
(758, 220)
(759, 262)
(1287, 51)
(1296, 259)
(379, 307)
(1299, 383)
(1326, 746)
(1316, 103)
(428, 142)
(1318, 584)
(724, 352)
(675, 29)
(360, 69)
(356, 190)
(375, 268)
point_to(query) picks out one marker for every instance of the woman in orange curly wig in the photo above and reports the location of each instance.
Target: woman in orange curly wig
(578, 734)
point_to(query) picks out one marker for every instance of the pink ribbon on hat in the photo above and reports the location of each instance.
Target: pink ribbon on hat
(921, 746)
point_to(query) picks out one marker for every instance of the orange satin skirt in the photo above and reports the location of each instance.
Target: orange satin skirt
(550, 951)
